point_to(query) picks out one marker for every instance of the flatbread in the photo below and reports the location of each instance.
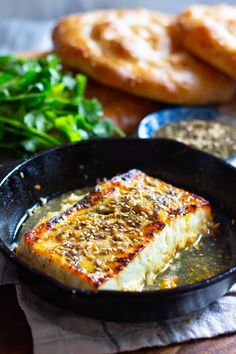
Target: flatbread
(210, 33)
(124, 109)
(136, 51)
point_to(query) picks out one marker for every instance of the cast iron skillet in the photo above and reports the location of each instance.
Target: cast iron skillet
(74, 166)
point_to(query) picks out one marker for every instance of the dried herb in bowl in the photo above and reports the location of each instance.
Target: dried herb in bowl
(42, 107)
(214, 137)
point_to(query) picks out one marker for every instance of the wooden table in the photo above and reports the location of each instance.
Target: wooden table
(15, 335)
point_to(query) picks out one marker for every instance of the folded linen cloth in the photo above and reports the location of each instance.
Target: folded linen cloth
(57, 331)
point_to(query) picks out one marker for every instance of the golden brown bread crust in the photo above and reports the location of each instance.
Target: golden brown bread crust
(101, 234)
(135, 51)
(210, 33)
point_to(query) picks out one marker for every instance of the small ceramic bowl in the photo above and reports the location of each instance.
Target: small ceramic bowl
(151, 123)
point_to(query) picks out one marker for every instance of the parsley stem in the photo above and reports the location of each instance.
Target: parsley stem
(43, 142)
(22, 97)
(30, 130)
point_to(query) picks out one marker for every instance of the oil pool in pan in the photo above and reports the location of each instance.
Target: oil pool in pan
(209, 256)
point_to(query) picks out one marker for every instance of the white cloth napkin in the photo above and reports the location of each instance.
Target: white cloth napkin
(57, 331)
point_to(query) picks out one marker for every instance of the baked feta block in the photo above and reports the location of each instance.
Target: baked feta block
(119, 236)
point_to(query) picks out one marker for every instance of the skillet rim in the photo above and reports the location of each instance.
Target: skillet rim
(188, 288)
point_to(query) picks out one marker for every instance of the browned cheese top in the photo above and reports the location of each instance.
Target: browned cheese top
(103, 232)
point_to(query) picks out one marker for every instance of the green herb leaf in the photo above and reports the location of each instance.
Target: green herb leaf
(38, 120)
(81, 84)
(41, 106)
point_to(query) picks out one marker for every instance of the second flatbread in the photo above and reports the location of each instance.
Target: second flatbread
(210, 33)
(135, 51)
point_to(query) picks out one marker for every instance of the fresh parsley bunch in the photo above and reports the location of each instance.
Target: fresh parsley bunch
(42, 107)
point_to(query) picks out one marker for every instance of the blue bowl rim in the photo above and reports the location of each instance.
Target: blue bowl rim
(155, 120)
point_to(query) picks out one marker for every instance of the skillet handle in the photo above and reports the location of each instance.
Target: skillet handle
(232, 160)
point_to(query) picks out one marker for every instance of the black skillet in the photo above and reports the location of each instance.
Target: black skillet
(74, 166)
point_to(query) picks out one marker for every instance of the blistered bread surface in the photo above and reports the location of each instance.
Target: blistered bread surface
(138, 51)
(210, 33)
